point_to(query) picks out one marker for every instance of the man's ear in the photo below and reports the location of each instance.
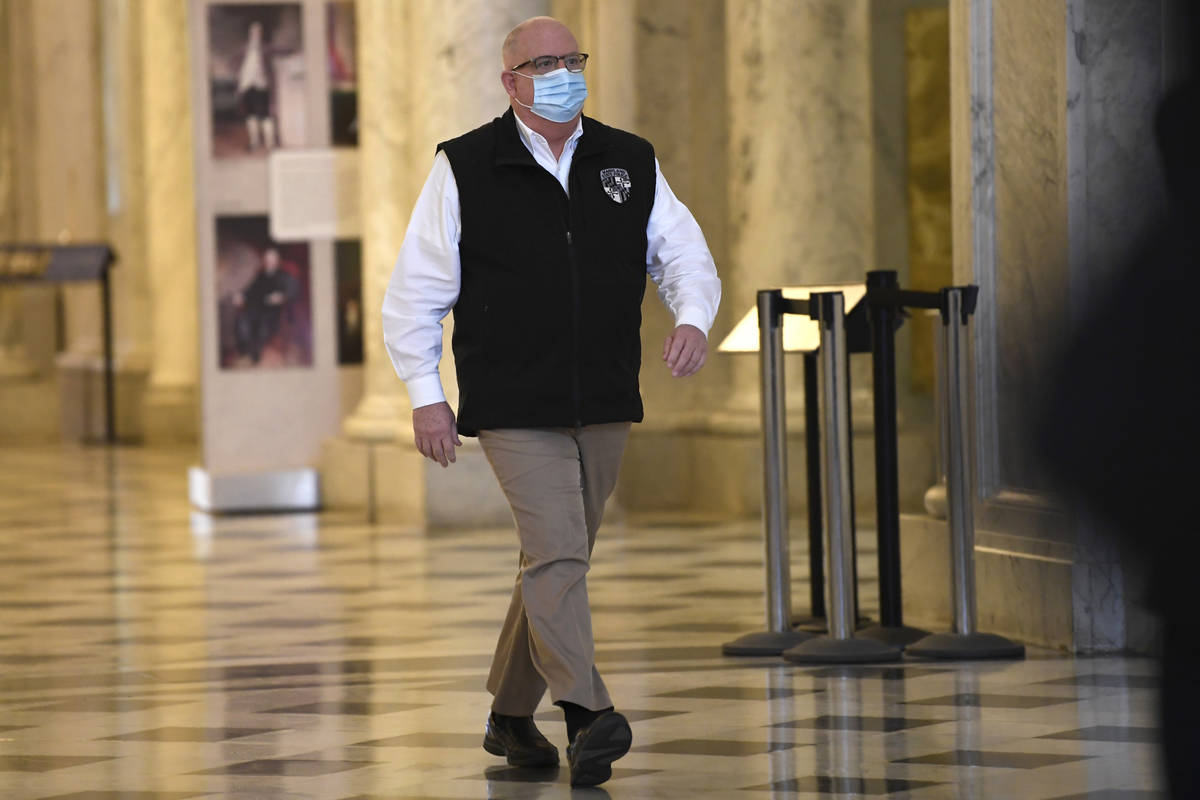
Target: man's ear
(509, 82)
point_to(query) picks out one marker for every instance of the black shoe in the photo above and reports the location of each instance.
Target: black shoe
(518, 740)
(596, 746)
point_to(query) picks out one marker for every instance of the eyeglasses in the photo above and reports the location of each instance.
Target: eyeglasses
(574, 62)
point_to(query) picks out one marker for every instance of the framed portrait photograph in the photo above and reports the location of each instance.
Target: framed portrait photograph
(264, 297)
(342, 57)
(256, 78)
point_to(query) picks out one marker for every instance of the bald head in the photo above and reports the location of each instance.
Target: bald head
(536, 36)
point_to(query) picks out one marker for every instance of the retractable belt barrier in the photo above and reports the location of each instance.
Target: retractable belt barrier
(840, 645)
(885, 303)
(965, 642)
(779, 635)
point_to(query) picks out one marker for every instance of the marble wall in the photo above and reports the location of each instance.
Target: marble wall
(1053, 174)
(1118, 63)
(1031, 280)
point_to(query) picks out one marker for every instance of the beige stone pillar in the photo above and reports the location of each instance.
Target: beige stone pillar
(384, 119)
(800, 203)
(14, 362)
(801, 195)
(456, 50)
(607, 31)
(169, 220)
(459, 46)
(65, 150)
(121, 65)
(69, 149)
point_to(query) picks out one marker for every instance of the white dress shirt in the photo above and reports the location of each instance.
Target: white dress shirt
(426, 279)
(253, 74)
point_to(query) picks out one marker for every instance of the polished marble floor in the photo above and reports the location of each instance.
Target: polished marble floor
(150, 653)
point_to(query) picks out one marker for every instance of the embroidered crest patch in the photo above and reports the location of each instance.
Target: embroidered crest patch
(616, 184)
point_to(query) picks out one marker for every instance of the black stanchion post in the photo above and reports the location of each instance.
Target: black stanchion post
(883, 318)
(779, 635)
(110, 400)
(859, 620)
(812, 452)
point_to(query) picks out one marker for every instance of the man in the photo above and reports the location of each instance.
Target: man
(255, 78)
(538, 230)
(261, 305)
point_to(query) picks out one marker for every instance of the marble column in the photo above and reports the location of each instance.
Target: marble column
(69, 114)
(607, 31)
(456, 49)
(384, 119)
(124, 177)
(800, 171)
(677, 50)
(14, 362)
(29, 396)
(799, 202)
(801, 194)
(169, 220)
(63, 69)
(402, 121)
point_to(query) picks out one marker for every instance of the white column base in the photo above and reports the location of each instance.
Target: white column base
(169, 414)
(403, 486)
(82, 397)
(380, 418)
(14, 365)
(280, 490)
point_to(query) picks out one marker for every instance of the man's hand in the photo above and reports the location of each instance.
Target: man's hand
(435, 432)
(685, 350)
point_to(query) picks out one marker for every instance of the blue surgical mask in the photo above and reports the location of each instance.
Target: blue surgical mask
(557, 96)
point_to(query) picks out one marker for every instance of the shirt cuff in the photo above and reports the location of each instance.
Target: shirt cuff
(694, 317)
(425, 390)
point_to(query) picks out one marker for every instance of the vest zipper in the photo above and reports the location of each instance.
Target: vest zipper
(574, 321)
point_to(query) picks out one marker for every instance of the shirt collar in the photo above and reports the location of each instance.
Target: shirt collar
(534, 141)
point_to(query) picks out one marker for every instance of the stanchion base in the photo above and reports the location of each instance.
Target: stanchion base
(966, 646)
(824, 650)
(820, 625)
(764, 643)
(900, 636)
(811, 624)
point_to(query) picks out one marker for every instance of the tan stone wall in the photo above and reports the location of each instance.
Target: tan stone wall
(930, 249)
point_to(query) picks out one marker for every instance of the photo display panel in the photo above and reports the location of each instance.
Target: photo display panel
(281, 319)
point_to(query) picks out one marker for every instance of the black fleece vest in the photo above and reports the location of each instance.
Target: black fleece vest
(547, 323)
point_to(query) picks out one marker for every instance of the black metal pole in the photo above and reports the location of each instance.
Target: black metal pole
(110, 429)
(812, 452)
(887, 480)
(850, 481)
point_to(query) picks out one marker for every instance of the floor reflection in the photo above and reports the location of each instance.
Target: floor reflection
(152, 653)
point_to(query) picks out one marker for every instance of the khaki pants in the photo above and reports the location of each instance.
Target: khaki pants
(557, 481)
